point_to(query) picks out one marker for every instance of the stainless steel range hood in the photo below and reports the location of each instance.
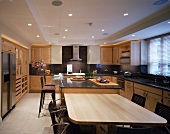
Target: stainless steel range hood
(75, 53)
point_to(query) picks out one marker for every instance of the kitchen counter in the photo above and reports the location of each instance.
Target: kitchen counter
(67, 83)
(68, 86)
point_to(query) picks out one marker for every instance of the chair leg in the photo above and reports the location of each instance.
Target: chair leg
(40, 104)
(43, 99)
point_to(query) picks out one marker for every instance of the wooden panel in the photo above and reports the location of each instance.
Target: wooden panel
(116, 56)
(107, 77)
(35, 83)
(8, 47)
(148, 88)
(114, 79)
(46, 54)
(166, 94)
(106, 55)
(89, 90)
(166, 101)
(122, 93)
(35, 54)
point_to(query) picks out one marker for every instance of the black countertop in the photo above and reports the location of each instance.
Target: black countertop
(67, 83)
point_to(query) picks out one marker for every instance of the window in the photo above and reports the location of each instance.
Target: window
(159, 56)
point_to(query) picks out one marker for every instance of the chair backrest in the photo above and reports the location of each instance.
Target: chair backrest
(44, 79)
(42, 82)
(163, 111)
(140, 100)
(139, 130)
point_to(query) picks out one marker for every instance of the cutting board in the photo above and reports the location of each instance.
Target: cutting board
(110, 84)
(74, 79)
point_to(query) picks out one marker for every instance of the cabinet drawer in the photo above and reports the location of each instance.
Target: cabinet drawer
(128, 83)
(166, 101)
(166, 94)
(148, 88)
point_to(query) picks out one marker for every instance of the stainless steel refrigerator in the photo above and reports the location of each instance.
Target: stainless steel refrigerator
(8, 83)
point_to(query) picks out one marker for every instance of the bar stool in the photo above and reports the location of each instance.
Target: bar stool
(48, 84)
(45, 89)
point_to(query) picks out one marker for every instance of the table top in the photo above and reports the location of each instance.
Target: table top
(108, 109)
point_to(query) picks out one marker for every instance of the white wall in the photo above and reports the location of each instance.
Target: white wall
(56, 54)
(93, 54)
(10, 34)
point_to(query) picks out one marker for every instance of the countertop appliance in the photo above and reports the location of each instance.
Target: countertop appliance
(127, 74)
(8, 83)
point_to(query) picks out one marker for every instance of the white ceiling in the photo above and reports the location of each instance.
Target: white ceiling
(48, 20)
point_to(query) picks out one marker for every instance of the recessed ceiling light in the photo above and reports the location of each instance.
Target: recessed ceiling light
(64, 37)
(38, 36)
(92, 36)
(70, 14)
(125, 14)
(133, 35)
(102, 30)
(169, 22)
(29, 24)
(66, 30)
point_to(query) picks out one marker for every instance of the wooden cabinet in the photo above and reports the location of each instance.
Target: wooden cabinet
(35, 83)
(153, 95)
(129, 89)
(166, 98)
(114, 79)
(106, 55)
(8, 46)
(39, 53)
(107, 77)
(116, 60)
(129, 53)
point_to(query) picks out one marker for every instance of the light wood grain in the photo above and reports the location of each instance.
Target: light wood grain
(108, 108)
(110, 84)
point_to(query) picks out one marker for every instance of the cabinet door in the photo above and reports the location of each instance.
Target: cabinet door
(35, 84)
(151, 101)
(46, 54)
(106, 55)
(114, 79)
(166, 101)
(129, 89)
(35, 54)
(116, 56)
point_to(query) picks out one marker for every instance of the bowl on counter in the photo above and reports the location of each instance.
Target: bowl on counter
(115, 72)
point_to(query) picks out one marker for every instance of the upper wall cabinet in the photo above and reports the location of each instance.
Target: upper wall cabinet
(116, 60)
(93, 54)
(56, 54)
(39, 52)
(129, 53)
(106, 55)
(8, 46)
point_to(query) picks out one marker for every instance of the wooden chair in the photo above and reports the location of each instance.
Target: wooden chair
(58, 127)
(140, 100)
(48, 84)
(163, 111)
(128, 130)
(44, 90)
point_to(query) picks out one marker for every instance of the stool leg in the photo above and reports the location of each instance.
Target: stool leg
(43, 99)
(53, 95)
(40, 104)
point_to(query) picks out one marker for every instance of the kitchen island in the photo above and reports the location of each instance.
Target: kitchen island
(86, 86)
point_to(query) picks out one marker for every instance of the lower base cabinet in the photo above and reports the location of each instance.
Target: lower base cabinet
(152, 95)
(35, 83)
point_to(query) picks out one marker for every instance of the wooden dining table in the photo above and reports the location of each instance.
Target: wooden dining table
(107, 109)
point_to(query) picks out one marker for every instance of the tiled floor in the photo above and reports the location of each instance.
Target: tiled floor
(23, 119)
